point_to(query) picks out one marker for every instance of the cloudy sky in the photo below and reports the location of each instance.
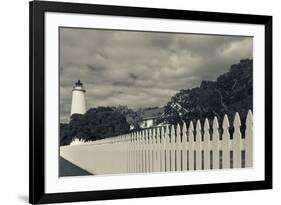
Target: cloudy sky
(141, 69)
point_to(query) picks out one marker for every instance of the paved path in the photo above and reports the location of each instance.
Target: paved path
(67, 168)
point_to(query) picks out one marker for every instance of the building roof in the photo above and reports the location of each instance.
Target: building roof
(151, 113)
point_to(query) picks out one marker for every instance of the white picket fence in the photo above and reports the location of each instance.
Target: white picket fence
(170, 148)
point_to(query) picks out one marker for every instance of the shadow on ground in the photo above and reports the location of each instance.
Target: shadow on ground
(67, 168)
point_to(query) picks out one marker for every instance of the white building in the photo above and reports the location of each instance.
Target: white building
(150, 116)
(78, 105)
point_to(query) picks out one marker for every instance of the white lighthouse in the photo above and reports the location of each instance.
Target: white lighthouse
(78, 105)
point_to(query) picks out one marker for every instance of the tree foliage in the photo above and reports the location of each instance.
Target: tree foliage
(231, 92)
(96, 123)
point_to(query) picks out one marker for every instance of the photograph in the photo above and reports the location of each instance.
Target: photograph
(137, 102)
(133, 102)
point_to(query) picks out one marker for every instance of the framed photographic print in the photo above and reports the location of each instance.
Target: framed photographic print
(141, 102)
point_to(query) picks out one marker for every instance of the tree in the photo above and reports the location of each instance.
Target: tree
(96, 123)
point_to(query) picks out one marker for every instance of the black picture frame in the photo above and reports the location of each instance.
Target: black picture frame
(37, 194)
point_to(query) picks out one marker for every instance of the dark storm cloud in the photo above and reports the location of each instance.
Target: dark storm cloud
(141, 69)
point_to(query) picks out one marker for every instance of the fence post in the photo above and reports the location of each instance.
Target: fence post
(132, 153)
(139, 152)
(191, 146)
(143, 150)
(225, 143)
(158, 154)
(146, 146)
(153, 140)
(249, 139)
(172, 146)
(128, 153)
(123, 151)
(135, 152)
(237, 142)
(162, 150)
(168, 149)
(184, 148)
(178, 149)
(151, 149)
(198, 145)
(215, 144)
(206, 144)
(119, 156)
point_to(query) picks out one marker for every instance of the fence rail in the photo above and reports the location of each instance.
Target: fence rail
(170, 148)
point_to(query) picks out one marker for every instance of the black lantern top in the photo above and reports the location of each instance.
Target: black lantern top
(78, 83)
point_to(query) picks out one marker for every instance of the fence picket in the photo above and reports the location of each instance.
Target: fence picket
(127, 153)
(136, 152)
(249, 139)
(162, 150)
(130, 153)
(206, 144)
(147, 149)
(225, 143)
(157, 150)
(133, 152)
(140, 151)
(167, 151)
(197, 147)
(214, 155)
(144, 149)
(184, 148)
(237, 142)
(150, 150)
(178, 149)
(154, 150)
(191, 146)
(172, 148)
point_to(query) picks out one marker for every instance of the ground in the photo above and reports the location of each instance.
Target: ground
(66, 168)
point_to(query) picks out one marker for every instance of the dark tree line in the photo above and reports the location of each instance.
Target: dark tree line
(231, 92)
(96, 123)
